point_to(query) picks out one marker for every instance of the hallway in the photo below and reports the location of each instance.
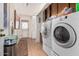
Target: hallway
(28, 47)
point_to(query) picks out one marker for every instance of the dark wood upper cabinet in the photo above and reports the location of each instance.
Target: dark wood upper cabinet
(48, 12)
(56, 8)
(73, 5)
(45, 14)
(61, 6)
(53, 9)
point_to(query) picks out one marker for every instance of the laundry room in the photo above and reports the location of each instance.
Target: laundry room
(59, 29)
(39, 29)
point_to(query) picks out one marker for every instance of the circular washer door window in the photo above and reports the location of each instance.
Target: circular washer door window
(64, 35)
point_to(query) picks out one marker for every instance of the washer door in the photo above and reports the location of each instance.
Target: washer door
(64, 35)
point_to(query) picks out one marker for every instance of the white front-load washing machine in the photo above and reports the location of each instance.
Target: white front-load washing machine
(65, 35)
(46, 36)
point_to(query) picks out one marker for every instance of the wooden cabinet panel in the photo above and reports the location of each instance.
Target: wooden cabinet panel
(48, 12)
(45, 14)
(73, 5)
(61, 6)
(56, 8)
(53, 9)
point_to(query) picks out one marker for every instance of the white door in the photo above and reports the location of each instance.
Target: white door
(25, 28)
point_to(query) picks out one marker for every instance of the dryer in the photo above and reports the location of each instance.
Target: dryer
(46, 31)
(46, 36)
(65, 35)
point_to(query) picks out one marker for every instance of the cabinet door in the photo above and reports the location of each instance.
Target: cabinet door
(53, 9)
(45, 14)
(48, 12)
(61, 6)
(73, 5)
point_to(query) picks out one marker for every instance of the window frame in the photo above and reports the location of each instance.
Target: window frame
(26, 22)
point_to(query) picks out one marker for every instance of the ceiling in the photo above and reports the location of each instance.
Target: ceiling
(28, 8)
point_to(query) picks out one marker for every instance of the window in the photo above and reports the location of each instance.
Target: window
(24, 24)
(17, 24)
